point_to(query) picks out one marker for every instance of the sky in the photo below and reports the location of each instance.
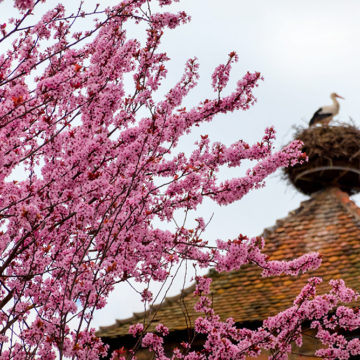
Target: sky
(305, 49)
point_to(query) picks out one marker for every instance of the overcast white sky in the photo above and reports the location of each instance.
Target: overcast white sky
(305, 50)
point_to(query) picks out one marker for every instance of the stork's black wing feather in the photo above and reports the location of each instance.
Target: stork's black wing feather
(318, 116)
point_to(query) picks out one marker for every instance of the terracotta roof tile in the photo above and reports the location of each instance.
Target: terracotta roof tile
(328, 223)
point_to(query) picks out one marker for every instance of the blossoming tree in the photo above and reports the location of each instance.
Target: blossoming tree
(97, 175)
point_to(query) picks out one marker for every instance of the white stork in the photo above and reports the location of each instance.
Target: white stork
(326, 113)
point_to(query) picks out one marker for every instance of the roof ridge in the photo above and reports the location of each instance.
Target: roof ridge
(345, 201)
(279, 222)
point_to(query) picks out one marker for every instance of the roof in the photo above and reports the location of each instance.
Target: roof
(329, 222)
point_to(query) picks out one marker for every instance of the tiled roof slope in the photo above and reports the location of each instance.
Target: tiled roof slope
(329, 222)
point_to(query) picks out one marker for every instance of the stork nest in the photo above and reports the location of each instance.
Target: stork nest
(334, 159)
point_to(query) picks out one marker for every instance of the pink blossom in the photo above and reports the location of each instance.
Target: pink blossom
(162, 330)
(24, 4)
(136, 329)
(101, 170)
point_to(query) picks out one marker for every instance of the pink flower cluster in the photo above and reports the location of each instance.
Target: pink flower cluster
(136, 329)
(24, 4)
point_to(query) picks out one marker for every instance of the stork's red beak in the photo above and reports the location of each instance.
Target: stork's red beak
(338, 96)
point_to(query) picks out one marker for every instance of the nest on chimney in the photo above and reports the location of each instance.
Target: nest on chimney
(334, 159)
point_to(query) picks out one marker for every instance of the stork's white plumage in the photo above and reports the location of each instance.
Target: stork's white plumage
(326, 113)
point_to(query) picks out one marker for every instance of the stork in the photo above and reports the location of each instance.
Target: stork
(326, 113)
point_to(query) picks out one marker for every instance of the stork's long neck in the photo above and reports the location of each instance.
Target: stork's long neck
(335, 104)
